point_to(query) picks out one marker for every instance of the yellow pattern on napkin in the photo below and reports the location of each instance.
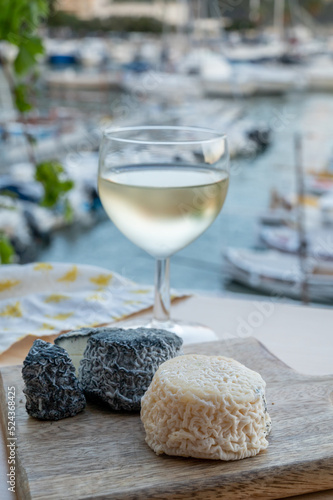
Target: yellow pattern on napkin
(60, 316)
(102, 280)
(70, 275)
(7, 284)
(13, 310)
(53, 297)
(43, 266)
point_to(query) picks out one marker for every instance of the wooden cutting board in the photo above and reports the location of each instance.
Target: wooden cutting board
(103, 455)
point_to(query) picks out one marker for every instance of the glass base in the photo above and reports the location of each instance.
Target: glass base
(191, 333)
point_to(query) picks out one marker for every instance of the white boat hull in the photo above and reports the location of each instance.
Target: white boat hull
(286, 240)
(278, 275)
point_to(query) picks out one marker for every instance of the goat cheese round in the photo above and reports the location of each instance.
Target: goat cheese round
(118, 365)
(206, 407)
(51, 388)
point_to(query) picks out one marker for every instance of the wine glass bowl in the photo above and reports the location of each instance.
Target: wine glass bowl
(163, 186)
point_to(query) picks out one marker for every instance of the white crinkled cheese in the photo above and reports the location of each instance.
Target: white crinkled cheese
(206, 407)
(75, 342)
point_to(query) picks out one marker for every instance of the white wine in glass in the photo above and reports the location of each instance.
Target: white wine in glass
(163, 187)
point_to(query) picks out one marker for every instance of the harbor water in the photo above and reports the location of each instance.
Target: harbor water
(200, 265)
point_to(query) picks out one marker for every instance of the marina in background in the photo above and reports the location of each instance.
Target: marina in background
(260, 86)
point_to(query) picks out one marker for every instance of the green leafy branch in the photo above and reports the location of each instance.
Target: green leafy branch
(52, 176)
(7, 252)
(19, 24)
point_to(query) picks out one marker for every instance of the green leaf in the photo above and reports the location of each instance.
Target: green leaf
(7, 252)
(24, 60)
(35, 45)
(21, 98)
(51, 175)
(21, 18)
(27, 55)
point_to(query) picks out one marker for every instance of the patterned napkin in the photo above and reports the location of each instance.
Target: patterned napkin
(44, 299)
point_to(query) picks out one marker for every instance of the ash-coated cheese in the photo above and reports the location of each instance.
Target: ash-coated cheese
(206, 407)
(51, 388)
(75, 342)
(118, 365)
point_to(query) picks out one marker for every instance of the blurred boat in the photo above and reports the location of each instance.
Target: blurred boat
(319, 75)
(253, 138)
(83, 198)
(162, 85)
(251, 79)
(245, 136)
(286, 240)
(38, 126)
(23, 190)
(283, 211)
(219, 77)
(266, 50)
(216, 76)
(27, 225)
(216, 87)
(277, 217)
(62, 59)
(61, 52)
(272, 79)
(200, 72)
(138, 66)
(326, 208)
(320, 183)
(72, 79)
(15, 129)
(14, 226)
(81, 168)
(279, 275)
(92, 51)
(41, 221)
(205, 63)
(52, 139)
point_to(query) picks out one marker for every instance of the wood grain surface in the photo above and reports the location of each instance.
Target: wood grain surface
(103, 455)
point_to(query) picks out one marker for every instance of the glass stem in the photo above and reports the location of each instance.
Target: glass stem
(162, 290)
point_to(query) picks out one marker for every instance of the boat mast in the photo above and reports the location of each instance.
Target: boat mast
(255, 11)
(279, 16)
(303, 15)
(303, 246)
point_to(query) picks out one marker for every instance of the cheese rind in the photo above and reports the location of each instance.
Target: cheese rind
(118, 365)
(51, 388)
(206, 407)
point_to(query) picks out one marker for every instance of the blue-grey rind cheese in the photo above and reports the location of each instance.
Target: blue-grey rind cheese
(118, 365)
(52, 389)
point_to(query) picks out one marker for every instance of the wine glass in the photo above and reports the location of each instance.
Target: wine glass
(163, 186)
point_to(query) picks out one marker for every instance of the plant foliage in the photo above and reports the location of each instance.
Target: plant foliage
(51, 175)
(19, 25)
(19, 22)
(7, 252)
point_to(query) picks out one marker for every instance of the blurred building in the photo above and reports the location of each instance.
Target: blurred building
(84, 9)
(174, 12)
